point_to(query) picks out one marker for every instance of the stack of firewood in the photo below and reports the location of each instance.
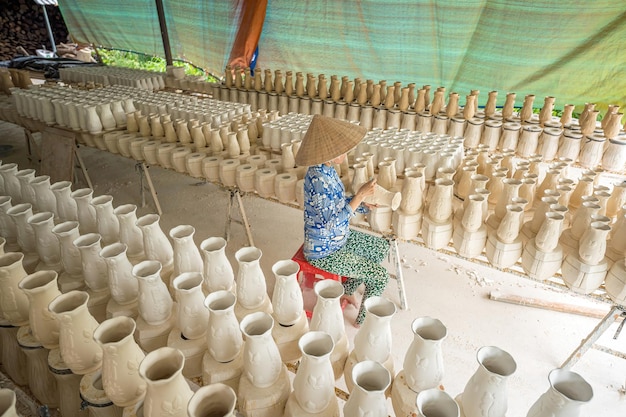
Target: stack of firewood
(23, 28)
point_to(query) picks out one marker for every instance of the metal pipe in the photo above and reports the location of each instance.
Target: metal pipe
(164, 34)
(45, 15)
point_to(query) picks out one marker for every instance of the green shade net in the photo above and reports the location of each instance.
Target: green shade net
(572, 50)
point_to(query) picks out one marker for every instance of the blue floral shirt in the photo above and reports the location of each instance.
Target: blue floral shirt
(327, 212)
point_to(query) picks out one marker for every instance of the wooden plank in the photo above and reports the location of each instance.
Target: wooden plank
(57, 154)
(547, 304)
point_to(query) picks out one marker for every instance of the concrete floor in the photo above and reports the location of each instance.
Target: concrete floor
(438, 284)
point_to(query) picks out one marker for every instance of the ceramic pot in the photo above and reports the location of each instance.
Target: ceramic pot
(94, 267)
(20, 214)
(218, 272)
(123, 286)
(46, 200)
(187, 257)
(14, 305)
(121, 356)
(423, 362)
(24, 176)
(107, 223)
(7, 403)
(547, 238)
(86, 213)
(192, 317)
(440, 207)
(435, 402)
(213, 400)
(67, 233)
(130, 233)
(485, 392)
(472, 219)
(592, 246)
(41, 288)
(287, 298)
(509, 228)
(371, 381)
(582, 218)
(314, 384)
(47, 244)
(66, 205)
(373, 340)
(155, 302)
(11, 184)
(7, 225)
(251, 284)
(567, 395)
(156, 245)
(224, 339)
(412, 193)
(167, 393)
(262, 363)
(78, 349)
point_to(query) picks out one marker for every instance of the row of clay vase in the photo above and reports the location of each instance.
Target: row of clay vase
(128, 77)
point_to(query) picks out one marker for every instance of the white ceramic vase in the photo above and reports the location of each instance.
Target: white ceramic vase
(485, 393)
(423, 362)
(46, 200)
(47, 244)
(373, 340)
(224, 338)
(592, 246)
(130, 233)
(156, 245)
(120, 361)
(106, 222)
(262, 364)
(187, 257)
(547, 237)
(14, 305)
(7, 403)
(41, 288)
(218, 272)
(287, 298)
(167, 393)
(85, 211)
(123, 286)
(314, 383)
(94, 267)
(192, 317)
(436, 403)
(566, 397)
(371, 380)
(251, 284)
(66, 205)
(20, 214)
(7, 225)
(155, 302)
(213, 400)
(440, 207)
(67, 233)
(78, 349)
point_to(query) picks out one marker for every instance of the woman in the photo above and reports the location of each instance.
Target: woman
(329, 244)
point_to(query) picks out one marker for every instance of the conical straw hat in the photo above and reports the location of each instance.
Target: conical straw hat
(326, 139)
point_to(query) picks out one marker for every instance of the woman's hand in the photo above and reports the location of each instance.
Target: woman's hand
(366, 190)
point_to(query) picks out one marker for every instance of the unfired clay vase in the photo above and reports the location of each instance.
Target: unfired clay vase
(86, 212)
(156, 245)
(485, 392)
(261, 359)
(435, 402)
(41, 288)
(566, 397)
(251, 284)
(121, 359)
(371, 381)
(130, 233)
(224, 339)
(78, 349)
(107, 223)
(213, 400)
(155, 302)
(192, 317)
(123, 286)
(187, 257)
(287, 298)
(373, 340)
(167, 393)
(314, 384)
(218, 273)
(14, 304)
(94, 267)
(66, 205)
(423, 363)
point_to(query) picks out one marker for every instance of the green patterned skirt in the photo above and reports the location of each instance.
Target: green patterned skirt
(359, 260)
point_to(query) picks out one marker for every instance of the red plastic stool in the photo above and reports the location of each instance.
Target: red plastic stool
(307, 278)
